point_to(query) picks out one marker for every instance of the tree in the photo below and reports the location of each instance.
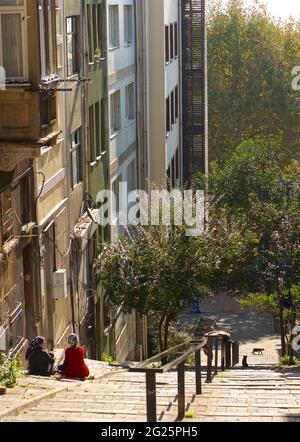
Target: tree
(250, 60)
(153, 271)
(255, 225)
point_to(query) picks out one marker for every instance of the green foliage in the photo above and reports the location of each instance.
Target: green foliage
(189, 415)
(253, 236)
(9, 371)
(250, 59)
(154, 365)
(155, 272)
(288, 360)
(109, 359)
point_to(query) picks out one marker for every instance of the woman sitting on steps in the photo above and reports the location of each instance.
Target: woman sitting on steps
(74, 366)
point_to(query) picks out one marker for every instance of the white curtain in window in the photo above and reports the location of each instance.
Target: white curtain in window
(12, 50)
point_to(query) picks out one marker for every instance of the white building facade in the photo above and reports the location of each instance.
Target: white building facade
(159, 92)
(123, 135)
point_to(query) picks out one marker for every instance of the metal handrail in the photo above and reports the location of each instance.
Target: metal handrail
(229, 358)
(142, 367)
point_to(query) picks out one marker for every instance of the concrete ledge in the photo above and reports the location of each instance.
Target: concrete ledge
(15, 411)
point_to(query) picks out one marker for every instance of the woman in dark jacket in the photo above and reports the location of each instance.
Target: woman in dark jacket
(74, 365)
(40, 362)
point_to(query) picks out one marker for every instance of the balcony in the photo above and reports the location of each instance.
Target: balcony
(27, 123)
(27, 115)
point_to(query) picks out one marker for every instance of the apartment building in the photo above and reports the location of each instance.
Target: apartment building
(123, 138)
(53, 144)
(28, 126)
(159, 83)
(172, 85)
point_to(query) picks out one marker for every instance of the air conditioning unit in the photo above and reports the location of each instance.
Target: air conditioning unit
(60, 284)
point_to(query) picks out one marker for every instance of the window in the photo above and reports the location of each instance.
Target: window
(131, 176)
(172, 42)
(128, 24)
(104, 123)
(76, 160)
(176, 39)
(6, 217)
(26, 192)
(92, 133)
(168, 120)
(114, 37)
(116, 191)
(115, 113)
(129, 102)
(95, 29)
(177, 175)
(12, 39)
(173, 172)
(95, 131)
(59, 34)
(98, 129)
(167, 44)
(172, 107)
(177, 102)
(47, 24)
(72, 45)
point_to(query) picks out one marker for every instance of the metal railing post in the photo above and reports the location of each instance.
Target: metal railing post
(228, 355)
(151, 396)
(222, 355)
(216, 354)
(210, 341)
(181, 390)
(198, 370)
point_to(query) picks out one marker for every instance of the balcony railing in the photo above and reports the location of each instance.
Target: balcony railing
(12, 327)
(7, 220)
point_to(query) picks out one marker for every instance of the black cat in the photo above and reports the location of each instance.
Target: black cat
(245, 363)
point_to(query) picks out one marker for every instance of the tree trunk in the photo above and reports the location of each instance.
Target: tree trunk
(166, 333)
(160, 337)
(282, 331)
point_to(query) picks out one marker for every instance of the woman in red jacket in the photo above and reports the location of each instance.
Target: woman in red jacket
(74, 365)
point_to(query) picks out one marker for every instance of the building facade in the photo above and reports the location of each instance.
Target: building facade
(92, 93)
(122, 141)
(159, 82)
(53, 142)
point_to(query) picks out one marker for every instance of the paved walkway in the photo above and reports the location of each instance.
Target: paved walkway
(251, 330)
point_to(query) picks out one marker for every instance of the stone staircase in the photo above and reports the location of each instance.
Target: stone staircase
(238, 395)
(119, 397)
(252, 395)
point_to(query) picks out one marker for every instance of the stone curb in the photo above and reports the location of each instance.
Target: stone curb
(15, 411)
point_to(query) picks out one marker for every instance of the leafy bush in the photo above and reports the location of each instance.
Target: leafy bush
(109, 359)
(177, 337)
(287, 360)
(189, 415)
(9, 371)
